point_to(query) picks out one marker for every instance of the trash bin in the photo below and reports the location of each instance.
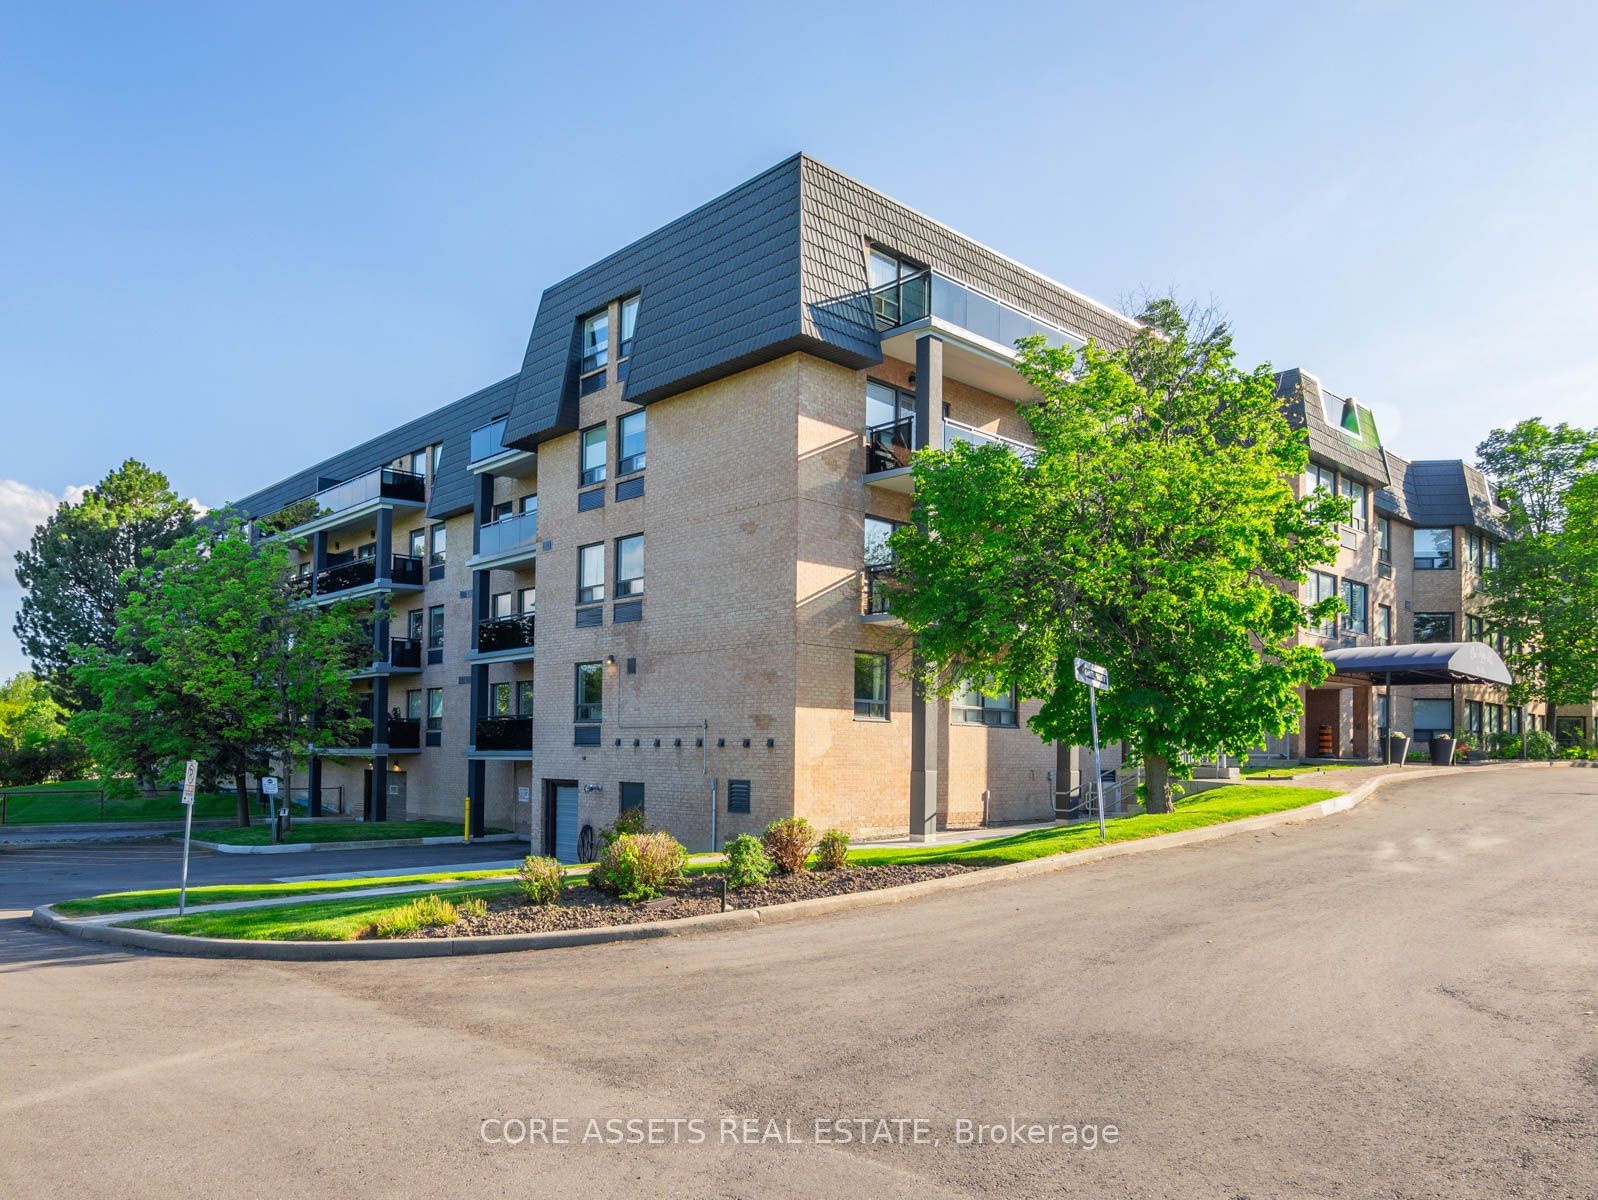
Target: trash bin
(1442, 749)
(1397, 748)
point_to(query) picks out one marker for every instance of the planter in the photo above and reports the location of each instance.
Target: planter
(1397, 748)
(1442, 750)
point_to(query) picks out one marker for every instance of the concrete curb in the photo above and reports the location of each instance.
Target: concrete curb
(145, 939)
(380, 844)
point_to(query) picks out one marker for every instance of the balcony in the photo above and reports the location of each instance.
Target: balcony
(358, 577)
(503, 734)
(357, 498)
(404, 733)
(980, 332)
(404, 656)
(507, 543)
(888, 449)
(490, 454)
(504, 639)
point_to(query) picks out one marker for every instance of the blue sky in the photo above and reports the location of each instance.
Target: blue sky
(233, 239)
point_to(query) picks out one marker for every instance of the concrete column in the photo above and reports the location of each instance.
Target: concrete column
(1067, 774)
(385, 544)
(924, 706)
(380, 711)
(318, 557)
(313, 786)
(380, 630)
(380, 788)
(477, 792)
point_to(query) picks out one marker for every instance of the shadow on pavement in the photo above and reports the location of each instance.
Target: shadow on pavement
(26, 947)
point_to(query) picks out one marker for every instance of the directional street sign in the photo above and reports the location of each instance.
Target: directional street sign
(1098, 680)
(191, 775)
(1092, 674)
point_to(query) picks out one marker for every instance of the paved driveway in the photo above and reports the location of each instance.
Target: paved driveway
(1398, 1002)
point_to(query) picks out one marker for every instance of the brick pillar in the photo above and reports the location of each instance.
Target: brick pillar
(924, 706)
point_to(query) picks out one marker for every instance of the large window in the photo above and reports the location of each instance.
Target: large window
(969, 706)
(1354, 492)
(593, 456)
(870, 686)
(1434, 549)
(1432, 717)
(630, 566)
(590, 692)
(1434, 627)
(435, 709)
(890, 425)
(629, 324)
(1323, 587)
(591, 573)
(1356, 602)
(435, 627)
(630, 447)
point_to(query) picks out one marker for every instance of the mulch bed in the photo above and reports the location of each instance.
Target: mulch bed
(584, 907)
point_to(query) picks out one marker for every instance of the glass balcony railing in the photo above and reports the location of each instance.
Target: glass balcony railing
(508, 533)
(504, 733)
(958, 431)
(928, 293)
(506, 633)
(385, 483)
(488, 440)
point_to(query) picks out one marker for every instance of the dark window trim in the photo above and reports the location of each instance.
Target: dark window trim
(886, 703)
(632, 592)
(600, 597)
(588, 476)
(628, 466)
(593, 712)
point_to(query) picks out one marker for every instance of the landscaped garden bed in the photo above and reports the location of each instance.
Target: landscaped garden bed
(586, 907)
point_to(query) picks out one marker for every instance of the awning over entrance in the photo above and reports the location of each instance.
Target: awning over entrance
(1421, 662)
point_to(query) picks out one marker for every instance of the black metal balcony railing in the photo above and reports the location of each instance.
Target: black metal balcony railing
(889, 444)
(404, 733)
(356, 738)
(359, 572)
(404, 652)
(505, 633)
(878, 589)
(504, 733)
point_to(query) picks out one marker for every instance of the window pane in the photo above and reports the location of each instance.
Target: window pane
(527, 600)
(413, 704)
(500, 701)
(1434, 627)
(884, 268)
(593, 455)
(630, 565)
(871, 685)
(524, 699)
(596, 342)
(1433, 716)
(435, 627)
(631, 452)
(878, 532)
(590, 691)
(499, 604)
(1434, 549)
(413, 628)
(629, 322)
(438, 545)
(418, 547)
(591, 573)
(435, 708)
(884, 405)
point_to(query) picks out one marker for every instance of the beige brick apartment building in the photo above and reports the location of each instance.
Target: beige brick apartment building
(642, 569)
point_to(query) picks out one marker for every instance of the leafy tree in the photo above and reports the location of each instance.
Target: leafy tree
(34, 741)
(77, 569)
(1152, 533)
(214, 661)
(1542, 598)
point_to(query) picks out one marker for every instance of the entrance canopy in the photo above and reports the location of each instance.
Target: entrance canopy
(1421, 662)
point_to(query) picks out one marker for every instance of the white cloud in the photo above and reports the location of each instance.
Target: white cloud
(22, 509)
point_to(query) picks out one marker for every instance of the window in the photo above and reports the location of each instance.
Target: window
(499, 511)
(878, 554)
(1474, 723)
(1570, 731)
(1322, 479)
(499, 700)
(590, 691)
(369, 550)
(524, 698)
(888, 290)
(629, 324)
(632, 796)
(413, 624)
(887, 407)
(630, 436)
(1475, 628)
(529, 504)
(870, 686)
(527, 601)
(969, 706)
(413, 704)
(1495, 719)
(435, 709)
(1323, 587)
(1384, 715)
(596, 343)
(1356, 600)
(591, 573)
(1432, 717)
(1434, 627)
(1491, 549)
(630, 566)
(418, 544)
(1384, 625)
(436, 558)
(593, 456)
(1512, 721)
(1384, 539)
(1473, 554)
(1354, 492)
(435, 627)
(418, 463)
(438, 455)
(499, 604)
(1434, 549)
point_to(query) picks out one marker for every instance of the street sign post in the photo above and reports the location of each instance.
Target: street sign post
(191, 776)
(1097, 679)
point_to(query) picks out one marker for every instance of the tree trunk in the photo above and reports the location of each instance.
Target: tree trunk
(244, 798)
(1157, 782)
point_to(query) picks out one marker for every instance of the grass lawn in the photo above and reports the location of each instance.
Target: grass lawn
(77, 800)
(1209, 808)
(221, 893)
(1293, 770)
(335, 831)
(341, 919)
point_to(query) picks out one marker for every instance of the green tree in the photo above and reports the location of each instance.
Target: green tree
(214, 661)
(1542, 598)
(34, 741)
(1152, 533)
(77, 569)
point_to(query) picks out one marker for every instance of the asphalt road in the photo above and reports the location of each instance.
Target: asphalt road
(1397, 1002)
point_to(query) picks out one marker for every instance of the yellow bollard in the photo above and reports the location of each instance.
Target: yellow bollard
(466, 823)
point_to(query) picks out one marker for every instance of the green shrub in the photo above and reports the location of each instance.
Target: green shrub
(832, 851)
(1539, 744)
(639, 866)
(426, 912)
(747, 861)
(475, 907)
(541, 879)
(631, 821)
(789, 842)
